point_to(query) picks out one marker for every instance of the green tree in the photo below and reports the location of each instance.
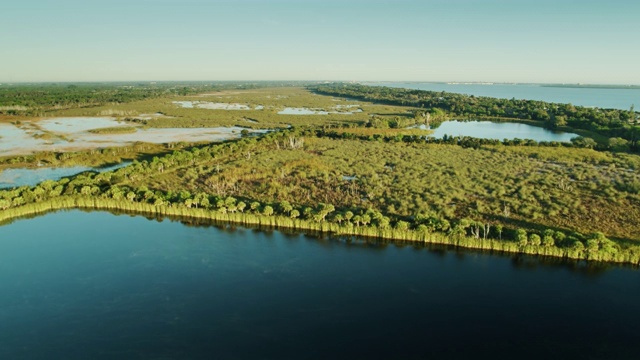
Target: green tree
(618, 144)
(585, 142)
(285, 207)
(558, 121)
(402, 225)
(348, 215)
(577, 246)
(534, 239)
(384, 222)
(592, 247)
(307, 212)
(521, 237)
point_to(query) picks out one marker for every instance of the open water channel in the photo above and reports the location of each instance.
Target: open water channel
(91, 285)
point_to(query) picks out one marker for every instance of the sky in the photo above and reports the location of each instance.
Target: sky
(540, 41)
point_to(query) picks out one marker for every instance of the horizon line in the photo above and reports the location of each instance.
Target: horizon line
(449, 82)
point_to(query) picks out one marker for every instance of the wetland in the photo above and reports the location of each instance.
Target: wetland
(143, 228)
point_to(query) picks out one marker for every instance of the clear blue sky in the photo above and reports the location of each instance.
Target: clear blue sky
(581, 41)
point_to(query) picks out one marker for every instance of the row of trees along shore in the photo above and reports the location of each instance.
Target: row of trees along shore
(611, 123)
(95, 191)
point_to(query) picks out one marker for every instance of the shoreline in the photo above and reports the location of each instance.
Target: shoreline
(281, 223)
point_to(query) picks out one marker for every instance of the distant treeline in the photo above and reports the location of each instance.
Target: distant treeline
(34, 99)
(612, 123)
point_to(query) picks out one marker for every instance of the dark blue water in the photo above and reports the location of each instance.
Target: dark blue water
(80, 285)
(607, 98)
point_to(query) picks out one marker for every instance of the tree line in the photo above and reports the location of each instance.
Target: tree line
(612, 123)
(113, 190)
(38, 98)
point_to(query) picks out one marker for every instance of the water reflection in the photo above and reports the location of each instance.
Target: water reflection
(499, 131)
(588, 269)
(517, 261)
(92, 283)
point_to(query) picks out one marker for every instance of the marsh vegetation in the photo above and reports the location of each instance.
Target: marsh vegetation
(365, 173)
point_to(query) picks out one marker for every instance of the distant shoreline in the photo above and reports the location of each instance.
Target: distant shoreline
(587, 86)
(489, 83)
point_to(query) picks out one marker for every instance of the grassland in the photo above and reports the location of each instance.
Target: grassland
(114, 130)
(272, 99)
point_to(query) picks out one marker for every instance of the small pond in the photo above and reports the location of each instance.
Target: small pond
(499, 131)
(306, 111)
(11, 178)
(212, 106)
(78, 124)
(302, 111)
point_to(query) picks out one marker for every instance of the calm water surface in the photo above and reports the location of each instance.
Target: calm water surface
(212, 106)
(10, 178)
(593, 97)
(500, 131)
(72, 134)
(339, 109)
(81, 285)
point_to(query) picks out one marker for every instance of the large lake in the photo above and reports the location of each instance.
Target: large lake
(613, 98)
(79, 285)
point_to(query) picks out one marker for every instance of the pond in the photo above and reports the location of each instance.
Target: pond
(302, 111)
(499, 131)
(214, 106)
(341, 110)
(10, 178)
(71, 134)
(77, 124)
(12, 137)
(92, 285)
